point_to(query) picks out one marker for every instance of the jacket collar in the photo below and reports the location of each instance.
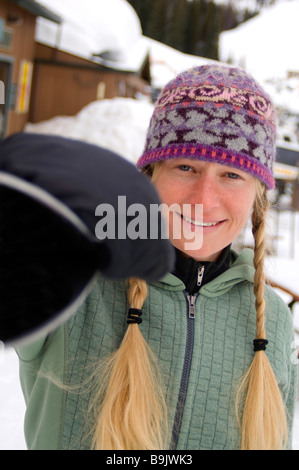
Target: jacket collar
(187, 269)
(241, 269)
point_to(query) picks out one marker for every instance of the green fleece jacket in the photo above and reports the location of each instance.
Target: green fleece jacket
(202, 357)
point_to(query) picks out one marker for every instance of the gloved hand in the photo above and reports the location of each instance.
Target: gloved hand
(50, 251)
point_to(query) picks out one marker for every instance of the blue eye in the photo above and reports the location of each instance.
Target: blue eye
(184, 167)
(233, 175)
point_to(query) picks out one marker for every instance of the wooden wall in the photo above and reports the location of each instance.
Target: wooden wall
(63, 84)
(22, 24)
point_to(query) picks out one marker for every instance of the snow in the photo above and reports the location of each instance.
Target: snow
(167, 62)
(12, 408)
(96, 19)
(118, 36)
(87, 35)
(118, 124)
(265, 45)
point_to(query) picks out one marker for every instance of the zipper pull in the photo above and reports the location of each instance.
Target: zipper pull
(191, 305)
(200, 273)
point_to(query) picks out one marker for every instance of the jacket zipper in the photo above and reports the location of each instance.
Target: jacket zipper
(200, 273)
(191, 300)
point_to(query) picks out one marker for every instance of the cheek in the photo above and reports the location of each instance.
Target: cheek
(242, 206)
(166, 191)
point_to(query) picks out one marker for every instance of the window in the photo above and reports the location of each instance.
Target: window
(6, 36)
(5, 82)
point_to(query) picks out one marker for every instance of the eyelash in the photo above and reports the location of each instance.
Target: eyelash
(235, 176)
(180, 167)
(229, 174)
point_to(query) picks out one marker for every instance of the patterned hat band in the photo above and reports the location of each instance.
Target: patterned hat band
(209, 154)
(218, 114)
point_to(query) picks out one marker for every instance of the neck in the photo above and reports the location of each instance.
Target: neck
(187, 269)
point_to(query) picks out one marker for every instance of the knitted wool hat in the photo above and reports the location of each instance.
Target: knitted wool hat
(215, 113)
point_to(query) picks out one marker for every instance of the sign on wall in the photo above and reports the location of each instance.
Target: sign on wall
(24, 86)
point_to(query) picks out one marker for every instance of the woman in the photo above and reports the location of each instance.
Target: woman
(210, 365)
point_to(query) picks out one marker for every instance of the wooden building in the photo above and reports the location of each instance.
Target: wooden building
(39, 81)
(17, 54)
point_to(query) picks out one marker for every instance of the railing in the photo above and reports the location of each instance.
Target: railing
(293, 295)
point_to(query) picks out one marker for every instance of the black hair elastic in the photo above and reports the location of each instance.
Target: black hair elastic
(134, 315)
(259, 344)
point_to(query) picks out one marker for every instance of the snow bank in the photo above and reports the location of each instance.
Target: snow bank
(119, 124)
(12, 405)
(267, 44)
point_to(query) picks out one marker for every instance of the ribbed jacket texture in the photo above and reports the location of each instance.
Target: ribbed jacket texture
(202, 359)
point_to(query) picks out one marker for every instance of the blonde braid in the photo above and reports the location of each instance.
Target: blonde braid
(137, 292)
(133, 412)
(264, 424)
(260, 209)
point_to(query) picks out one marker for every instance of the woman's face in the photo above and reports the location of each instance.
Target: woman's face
(226, 196)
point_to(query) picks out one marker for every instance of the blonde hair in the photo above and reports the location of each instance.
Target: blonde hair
(264, 423)
(133, 413)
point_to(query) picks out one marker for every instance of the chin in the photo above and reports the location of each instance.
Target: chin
(199, 255)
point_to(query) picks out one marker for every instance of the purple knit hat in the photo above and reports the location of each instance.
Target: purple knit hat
(215, 113)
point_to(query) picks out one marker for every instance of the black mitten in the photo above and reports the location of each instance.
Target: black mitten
(51, 244)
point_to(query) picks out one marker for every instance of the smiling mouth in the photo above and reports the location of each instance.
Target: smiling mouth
(200, 223)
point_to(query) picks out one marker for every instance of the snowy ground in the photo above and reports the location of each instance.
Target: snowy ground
(12, 407)
(284, 269)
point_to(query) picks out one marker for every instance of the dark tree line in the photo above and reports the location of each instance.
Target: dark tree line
(190, 26)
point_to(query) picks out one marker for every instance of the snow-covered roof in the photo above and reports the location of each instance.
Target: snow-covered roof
(94, 28)
(166, 62)
(109, 33)
(37, 9)
(267, 44)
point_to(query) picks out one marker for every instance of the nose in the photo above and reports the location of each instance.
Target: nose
(205, 191)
